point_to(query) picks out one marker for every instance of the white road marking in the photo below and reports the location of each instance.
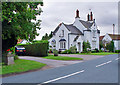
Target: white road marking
(103, 64)
(117, 58)
(62, 77)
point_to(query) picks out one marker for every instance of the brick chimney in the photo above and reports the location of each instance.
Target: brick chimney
(91, 16)
(77, 14)
(88, 17)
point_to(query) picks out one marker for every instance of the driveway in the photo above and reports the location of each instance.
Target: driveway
(58, 63)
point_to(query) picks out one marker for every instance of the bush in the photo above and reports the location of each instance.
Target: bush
(55, 53)
(16, 57)
(117, 51)
(100, 50)
(38, 48)
(86, 45)
(93, 51)
(96, 50)
(64, 52)
(73, 49)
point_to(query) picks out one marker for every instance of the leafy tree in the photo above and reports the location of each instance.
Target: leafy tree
(47, 37)
(101, 45)
(50, 35)
(110, 46)
(86, 45)
(17, 22)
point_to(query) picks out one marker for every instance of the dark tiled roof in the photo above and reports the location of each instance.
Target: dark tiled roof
(86, 24)
(73, 29)
(114, 36)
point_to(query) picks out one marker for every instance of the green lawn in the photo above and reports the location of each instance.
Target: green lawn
(61, 58)
(21, 66)
(100, 53)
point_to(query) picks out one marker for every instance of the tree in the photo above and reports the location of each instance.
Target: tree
(50, 35)
(86, 45)
(101, 45)
(110, 46)
(17, 22)
(46, 37)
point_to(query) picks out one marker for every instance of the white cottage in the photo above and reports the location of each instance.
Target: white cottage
(107, 38)
(65, 36)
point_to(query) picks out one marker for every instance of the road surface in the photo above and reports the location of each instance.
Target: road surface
(101, 70)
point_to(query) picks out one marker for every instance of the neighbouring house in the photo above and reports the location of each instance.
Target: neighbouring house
(107, 38)
(65, 36)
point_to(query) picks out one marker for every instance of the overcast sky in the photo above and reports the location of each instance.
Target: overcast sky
(54, 12)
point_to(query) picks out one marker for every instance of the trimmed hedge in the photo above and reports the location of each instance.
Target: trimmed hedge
(117, 51)
(39, 48)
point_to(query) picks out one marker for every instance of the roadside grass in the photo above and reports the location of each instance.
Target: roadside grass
(99, 53)
(61, 58)
(21, 66)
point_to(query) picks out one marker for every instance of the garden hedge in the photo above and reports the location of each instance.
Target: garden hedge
(117, 51)
(37, 48)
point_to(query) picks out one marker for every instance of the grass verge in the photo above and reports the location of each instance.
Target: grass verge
(61, 58)
(100, 53)
(21, 66)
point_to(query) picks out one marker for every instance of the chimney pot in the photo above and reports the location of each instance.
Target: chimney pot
(77, 13)
(91, 16)
(88, 17)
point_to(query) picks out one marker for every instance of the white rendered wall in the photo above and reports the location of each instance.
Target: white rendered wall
(117, 44)
(57, 38)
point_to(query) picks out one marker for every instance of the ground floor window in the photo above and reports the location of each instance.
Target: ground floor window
(62, 44)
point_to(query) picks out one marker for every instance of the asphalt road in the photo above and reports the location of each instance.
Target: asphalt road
(101, 70)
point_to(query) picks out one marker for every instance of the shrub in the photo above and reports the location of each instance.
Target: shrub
(16, 57)
(93, 51)
(50, 51)
(86, 45)
(64, 52)
(100, 51)
(55, 53)
(73, 49)
(117, 51)
(96, 50)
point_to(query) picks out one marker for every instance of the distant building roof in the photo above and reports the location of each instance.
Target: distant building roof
(100, 38)
(114, 36)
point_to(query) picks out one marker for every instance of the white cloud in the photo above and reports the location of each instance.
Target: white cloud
(105, 13)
